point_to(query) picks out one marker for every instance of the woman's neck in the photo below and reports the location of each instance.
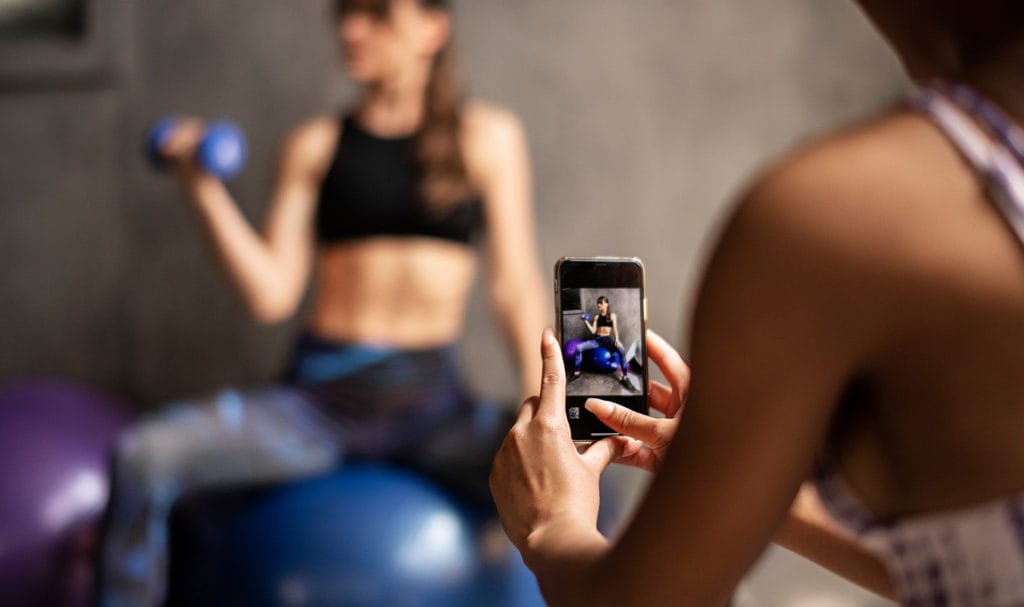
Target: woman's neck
(395, 107)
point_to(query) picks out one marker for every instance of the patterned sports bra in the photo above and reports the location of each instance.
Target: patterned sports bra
(974, 555)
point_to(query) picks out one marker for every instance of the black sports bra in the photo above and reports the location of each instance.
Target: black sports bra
(604, 321)
(370, 190)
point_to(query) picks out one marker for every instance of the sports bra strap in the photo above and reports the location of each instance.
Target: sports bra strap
(994, 161)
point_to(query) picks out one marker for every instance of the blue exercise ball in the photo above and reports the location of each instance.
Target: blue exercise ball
(601, 360)
(363, 536)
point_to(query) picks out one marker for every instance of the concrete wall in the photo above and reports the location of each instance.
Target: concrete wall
(662, 108)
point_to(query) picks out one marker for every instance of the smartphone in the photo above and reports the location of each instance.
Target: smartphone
(601, 320)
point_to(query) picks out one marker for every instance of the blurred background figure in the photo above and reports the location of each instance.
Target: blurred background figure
(386, 202)
(109, 281)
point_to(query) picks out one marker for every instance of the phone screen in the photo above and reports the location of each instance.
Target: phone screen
(602, 328)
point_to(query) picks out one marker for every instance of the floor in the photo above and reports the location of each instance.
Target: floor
(602, 384)
(783, 579)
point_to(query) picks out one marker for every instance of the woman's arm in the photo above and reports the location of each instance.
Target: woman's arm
(808, 531)
(811, 533)
(270, 270)
(615, 330)
(591, 325)
(499, 162)
(776, 334)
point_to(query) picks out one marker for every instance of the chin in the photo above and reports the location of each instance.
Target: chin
(361, 73)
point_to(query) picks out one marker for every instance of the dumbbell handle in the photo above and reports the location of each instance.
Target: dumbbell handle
(221, 152)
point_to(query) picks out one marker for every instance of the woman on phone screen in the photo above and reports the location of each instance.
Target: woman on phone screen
(605, 330)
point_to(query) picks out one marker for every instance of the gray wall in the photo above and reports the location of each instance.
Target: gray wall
(653, 110)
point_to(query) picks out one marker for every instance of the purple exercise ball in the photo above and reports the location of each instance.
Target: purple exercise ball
(570, 347)
(54, 443)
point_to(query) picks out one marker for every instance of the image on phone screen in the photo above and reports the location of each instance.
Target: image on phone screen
(602, 341)
(601, 316)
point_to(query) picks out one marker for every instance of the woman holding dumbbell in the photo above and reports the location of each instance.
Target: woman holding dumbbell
(386, 203)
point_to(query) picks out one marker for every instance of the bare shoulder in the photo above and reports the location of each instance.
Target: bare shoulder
(859, 193)
(831, 230)
(310, 145)
(490, 134)
(482, 118)
(854, 230)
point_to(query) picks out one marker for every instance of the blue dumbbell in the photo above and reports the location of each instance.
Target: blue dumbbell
(585, 316)
(222, 151)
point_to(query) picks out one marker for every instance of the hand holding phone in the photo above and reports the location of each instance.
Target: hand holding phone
(606, 357)
(656, 434)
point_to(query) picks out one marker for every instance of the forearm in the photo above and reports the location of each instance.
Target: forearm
(521, 308)
(268, 292)
(526, 342)
(577, 566)
(810, 534)
(566, 560)
(522, 336)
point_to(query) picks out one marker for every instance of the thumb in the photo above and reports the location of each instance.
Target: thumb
(625, 421)
(552, 386)
(606, 451)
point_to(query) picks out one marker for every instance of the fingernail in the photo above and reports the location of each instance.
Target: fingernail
(598, 407)
(549, 337)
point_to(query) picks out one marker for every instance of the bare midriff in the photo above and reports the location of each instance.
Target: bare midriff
(409, 292)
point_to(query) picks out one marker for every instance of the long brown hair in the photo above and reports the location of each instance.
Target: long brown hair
(443, 176)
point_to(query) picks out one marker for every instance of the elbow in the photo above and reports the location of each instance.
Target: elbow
(272, 310)
(274, 298)
(502, 302)
(511, 290)
(502, 296)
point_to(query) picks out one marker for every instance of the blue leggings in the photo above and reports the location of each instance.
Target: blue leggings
(339, 401)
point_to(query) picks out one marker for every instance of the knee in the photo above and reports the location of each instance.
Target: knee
(136, 454)
(153, 448)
